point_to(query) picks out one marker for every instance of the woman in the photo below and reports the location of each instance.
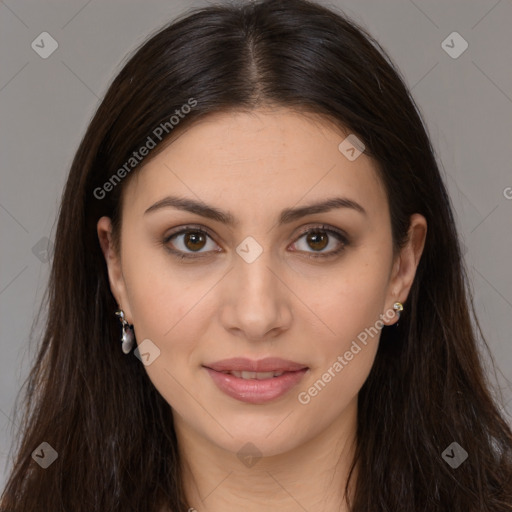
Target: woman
(257, 297)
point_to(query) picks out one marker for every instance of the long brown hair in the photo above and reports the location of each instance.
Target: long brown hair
(98, 409)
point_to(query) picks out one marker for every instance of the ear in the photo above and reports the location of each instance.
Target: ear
(113, 260)
(405, 265)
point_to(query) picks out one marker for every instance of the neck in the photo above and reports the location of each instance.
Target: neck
(310, 477)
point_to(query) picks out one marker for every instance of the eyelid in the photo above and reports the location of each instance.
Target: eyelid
(324, 227)
(188, 227)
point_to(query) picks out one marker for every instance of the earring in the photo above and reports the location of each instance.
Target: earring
(128, 337)
(398, 307)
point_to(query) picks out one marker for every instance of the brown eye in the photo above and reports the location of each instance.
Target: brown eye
(188, 241)
(314, 240)
(194, 240)
(317, 240)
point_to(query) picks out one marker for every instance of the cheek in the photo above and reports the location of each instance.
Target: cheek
(159, 293)
(167, 310)
(349, 306)
(164, 306)
(168, 314)
(347, 356)
(351, 300)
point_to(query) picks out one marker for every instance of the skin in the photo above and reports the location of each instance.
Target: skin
(283, 304)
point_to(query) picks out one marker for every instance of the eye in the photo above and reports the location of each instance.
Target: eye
(189, 239)
(320, 238)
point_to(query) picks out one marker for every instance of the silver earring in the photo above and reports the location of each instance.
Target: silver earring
(128, 337)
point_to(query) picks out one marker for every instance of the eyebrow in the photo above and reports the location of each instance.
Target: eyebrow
(287, 215)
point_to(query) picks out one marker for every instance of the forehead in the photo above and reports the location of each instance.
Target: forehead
(264, 157)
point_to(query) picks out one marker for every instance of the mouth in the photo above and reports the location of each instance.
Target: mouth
(256, 382)
(254, 375)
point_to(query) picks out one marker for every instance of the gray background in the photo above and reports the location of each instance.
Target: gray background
(46, 105)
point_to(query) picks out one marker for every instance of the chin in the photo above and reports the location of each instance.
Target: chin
(267, 435)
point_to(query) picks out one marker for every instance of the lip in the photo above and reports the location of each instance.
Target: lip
(269, 364)
(256, 391)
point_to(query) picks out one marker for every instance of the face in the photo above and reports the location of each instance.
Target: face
(259, 276)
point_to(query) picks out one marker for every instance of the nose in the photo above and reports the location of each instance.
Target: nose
(256, 301)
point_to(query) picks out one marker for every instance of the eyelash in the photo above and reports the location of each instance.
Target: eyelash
(343, 239)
